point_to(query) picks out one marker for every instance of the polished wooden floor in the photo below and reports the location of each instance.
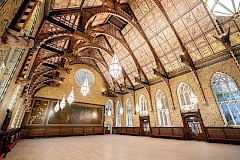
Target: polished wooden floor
(117, 147)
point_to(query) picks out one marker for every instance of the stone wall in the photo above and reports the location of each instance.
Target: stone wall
(209, 111)
(95, 95)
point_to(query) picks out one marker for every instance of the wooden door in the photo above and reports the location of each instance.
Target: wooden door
(144, 126)
(193, 126)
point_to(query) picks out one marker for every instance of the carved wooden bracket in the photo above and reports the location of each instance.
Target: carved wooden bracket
(225, 39)
(12, 38)
(187, 60)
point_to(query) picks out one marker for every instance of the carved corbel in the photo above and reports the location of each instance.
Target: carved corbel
(60, 68)
(59, 79)
(109, 93)
(22, 81)
(113, 4)
(12, 38)
(225, 40)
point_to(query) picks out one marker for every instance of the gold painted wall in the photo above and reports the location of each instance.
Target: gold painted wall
(95, 95)
(210, 112)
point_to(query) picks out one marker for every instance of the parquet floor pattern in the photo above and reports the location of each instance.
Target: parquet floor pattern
(118, 147)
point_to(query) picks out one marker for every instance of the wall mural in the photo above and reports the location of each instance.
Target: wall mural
(77, 114)
(38, 113)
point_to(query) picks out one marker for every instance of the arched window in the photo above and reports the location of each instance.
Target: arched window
(129, 113)
(186, 96)
(162, 109)
(108, 107)
(143, 104)
(119, 116)
(228, 98)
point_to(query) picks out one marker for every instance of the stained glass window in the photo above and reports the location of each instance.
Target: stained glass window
(143, 105)
(162, 109)
(129, 113)
(228, 97)
(186, 96)
(108, 106)
(81, 75)
(119, 116)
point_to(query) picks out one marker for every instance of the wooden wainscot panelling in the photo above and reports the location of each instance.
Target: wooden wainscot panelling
(88, 130)
(52, 131)
(31, 132)
(127, 130)
(167, 132)
(78, 131)
(98, 130)
(223, 134)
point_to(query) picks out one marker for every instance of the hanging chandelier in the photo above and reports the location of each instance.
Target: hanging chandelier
(115, 68)
(57, 107)
(63, 103)
(71, 98)
(85, 87)
(224, 7)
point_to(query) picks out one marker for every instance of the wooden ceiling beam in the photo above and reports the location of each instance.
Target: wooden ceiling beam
(58, 52)
(159, 64)
(60, 24)
(58, 12)
(186, 58)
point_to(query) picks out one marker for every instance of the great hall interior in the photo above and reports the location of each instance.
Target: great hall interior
(119, 79)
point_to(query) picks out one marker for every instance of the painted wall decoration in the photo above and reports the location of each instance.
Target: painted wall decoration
(8, 9)
(77, 114)
(38, 113)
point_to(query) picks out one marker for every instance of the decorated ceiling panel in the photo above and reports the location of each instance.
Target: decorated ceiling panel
(156, 36)
(60, 4)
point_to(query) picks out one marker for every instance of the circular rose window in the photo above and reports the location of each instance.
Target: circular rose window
(82, 74)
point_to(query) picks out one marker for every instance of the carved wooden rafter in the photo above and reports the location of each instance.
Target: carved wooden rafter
(108, 32)
(225, 40)
(186, 58)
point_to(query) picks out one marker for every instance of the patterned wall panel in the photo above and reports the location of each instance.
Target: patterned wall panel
(7, 12)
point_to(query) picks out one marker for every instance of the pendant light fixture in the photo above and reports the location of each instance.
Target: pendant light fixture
(71, 98)
(85, 87)
(224, 7)
(57, 107)
(115, 68)
(63, 103)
